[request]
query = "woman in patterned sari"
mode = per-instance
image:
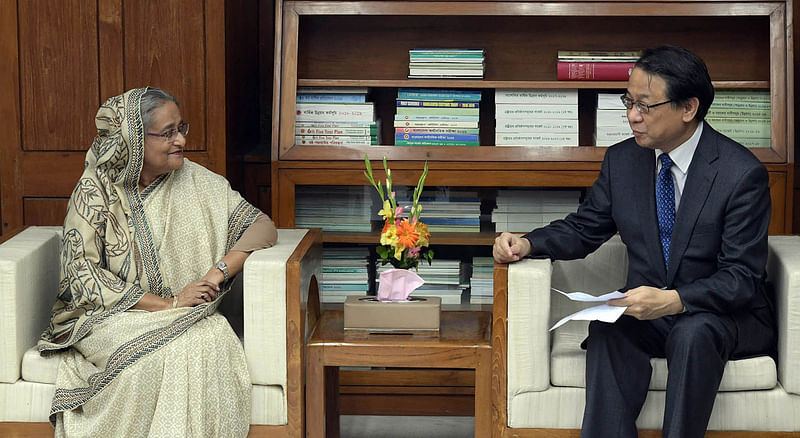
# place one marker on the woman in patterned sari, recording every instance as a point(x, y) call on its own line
point(150, 241)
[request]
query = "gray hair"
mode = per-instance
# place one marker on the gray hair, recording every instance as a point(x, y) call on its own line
point(154, 98)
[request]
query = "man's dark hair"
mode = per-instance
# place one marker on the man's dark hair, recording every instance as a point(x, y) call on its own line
point(686, 75)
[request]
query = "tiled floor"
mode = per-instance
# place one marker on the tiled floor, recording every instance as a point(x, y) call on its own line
point(373, 426)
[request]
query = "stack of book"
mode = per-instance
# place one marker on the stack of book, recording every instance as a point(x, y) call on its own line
point(336, 208)
point(743, 115)
point(595, 65)
point(344, 272)
point(445, 210)
point(612, 120)
point(445, 63)
point(481, 284)
point(534, 117)
point(451, 211)
point(437, 117)
point(334, 116)
point(442, 279)
point(524, 210)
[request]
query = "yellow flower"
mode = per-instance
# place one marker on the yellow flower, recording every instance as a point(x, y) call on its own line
point(398, 252)
point(424, 235)
point(386, 211)
point(389, 237)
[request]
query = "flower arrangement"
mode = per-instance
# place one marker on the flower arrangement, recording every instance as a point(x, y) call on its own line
point(403, 240)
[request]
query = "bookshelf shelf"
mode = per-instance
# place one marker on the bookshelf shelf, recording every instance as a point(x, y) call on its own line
point(475, 84)
point(473, 239)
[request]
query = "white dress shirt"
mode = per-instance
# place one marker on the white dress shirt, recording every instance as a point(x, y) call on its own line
point(681, 158)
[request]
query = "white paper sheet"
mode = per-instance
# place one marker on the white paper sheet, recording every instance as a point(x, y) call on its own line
point(602, 312)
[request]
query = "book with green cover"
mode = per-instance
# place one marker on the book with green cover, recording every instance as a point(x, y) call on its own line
point(742, 95)
point(738, 113)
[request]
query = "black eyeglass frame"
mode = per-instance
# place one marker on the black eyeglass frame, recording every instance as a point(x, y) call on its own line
point(183, 128)
point(642, 107)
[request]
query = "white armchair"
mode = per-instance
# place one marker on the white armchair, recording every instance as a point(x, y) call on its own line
point(277, 285)
point(540, 376)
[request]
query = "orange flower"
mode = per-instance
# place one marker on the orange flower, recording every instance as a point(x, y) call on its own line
point(406, 234)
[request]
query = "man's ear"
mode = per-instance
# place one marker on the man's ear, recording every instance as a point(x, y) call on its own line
point(690, 109)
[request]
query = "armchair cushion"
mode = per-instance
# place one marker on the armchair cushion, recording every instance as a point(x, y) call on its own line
point(38, 368)
point(568, 365)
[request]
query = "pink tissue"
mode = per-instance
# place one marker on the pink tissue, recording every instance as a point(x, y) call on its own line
point(397, 284)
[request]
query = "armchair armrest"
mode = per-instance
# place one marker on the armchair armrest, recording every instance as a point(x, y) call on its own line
point(783, 270)
point(531, 311)
point(528, 319)
point(29, 275)
point(277, 282)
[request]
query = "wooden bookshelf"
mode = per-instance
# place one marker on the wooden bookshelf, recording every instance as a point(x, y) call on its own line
point(746, 45)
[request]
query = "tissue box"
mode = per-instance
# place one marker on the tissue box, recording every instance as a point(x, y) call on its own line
point(367, 313)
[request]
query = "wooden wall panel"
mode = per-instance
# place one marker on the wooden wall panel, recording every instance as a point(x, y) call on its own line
point(59, 78)
point(777, 191)
point(795, 17)
point(45, 211)
point(165, 47)
point(10, 210)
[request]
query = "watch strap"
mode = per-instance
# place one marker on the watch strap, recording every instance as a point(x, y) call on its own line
point(222, 266)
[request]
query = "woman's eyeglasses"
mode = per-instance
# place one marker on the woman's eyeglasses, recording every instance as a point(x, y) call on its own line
point(170, 135)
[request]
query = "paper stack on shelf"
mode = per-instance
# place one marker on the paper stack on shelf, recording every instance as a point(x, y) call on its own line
point(344, 272)
point(743, 115)
point(444, 210)
point(442, 279)
point(595, 65)
point(522, 210)
point(437, 117)
point(612, 125)
point(335, 116)
point(482, 281)
point(445, 64)
point(334, 208)
point(536, 117)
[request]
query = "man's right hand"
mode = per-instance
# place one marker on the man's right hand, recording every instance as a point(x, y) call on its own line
point(510, 248)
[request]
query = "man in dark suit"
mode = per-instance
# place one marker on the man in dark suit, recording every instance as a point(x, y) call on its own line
point(693, 208)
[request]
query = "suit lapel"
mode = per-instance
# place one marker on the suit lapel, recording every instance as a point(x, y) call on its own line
point(644, 174)
point(700, 178)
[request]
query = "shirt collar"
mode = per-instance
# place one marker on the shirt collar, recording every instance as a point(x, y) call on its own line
point(682, 155)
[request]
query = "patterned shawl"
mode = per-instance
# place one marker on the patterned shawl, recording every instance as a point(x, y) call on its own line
point(111, 256)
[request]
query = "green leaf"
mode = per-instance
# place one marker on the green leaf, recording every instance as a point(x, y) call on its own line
point(382, 251)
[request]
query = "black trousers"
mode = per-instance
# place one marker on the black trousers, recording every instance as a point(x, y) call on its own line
point(696, 346)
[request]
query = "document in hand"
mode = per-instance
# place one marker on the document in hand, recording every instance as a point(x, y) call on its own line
point(603, 312)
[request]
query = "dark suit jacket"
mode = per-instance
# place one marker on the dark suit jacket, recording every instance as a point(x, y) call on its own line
point(719, 241)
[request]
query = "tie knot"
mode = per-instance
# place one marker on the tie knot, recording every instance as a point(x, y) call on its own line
point(666, 161)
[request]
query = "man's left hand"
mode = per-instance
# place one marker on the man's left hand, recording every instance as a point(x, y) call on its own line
point(645, 302)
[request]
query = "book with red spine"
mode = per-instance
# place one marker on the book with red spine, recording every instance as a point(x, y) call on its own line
point(594, 71)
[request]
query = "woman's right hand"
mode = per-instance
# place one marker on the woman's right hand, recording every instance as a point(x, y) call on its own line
point(196, 293)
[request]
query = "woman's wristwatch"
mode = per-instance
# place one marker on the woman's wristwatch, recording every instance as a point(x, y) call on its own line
point(222, 266)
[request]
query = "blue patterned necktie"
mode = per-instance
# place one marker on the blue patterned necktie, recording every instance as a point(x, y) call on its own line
point(665, 204)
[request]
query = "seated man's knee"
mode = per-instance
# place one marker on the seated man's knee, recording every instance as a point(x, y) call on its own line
point(600, 332)
point(700, 333)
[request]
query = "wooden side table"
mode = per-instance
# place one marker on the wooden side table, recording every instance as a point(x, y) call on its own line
point(463, 341)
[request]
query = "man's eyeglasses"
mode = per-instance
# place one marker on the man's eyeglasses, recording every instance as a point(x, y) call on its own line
point(642, 107)
point(170, 135)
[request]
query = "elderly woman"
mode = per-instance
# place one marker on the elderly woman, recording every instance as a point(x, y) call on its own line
point(151, 240)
